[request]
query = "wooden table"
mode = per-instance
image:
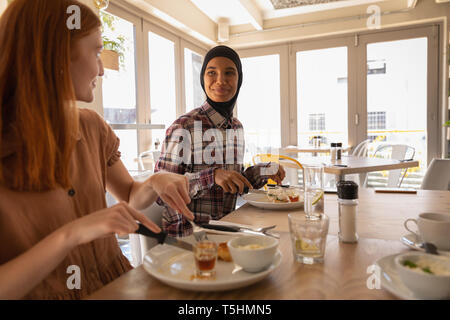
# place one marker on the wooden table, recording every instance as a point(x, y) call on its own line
point(352, 164)
point(343, 275)
point(311, 149)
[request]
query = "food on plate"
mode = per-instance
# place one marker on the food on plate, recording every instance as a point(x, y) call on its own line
point(251, 246)
point(424, 265)
point(283, 195)
point(223, 252)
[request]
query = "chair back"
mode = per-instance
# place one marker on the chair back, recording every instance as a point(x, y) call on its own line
point(268, 157)
point(140, 244)
point(437, 176)
point(361, 149)
point(397, 152)
point(152, 155)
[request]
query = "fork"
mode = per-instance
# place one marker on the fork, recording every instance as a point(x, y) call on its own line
point(199, 233)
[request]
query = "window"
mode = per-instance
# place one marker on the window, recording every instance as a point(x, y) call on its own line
point(143, 97)
point(316, 121)
point(162, 82)
point(376, 120)
point(258, 105)
point(195, 95)
point(119, 87)
point(322, 92)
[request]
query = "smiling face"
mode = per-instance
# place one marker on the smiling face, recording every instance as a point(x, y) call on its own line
point(221, 79)
point(86, 65)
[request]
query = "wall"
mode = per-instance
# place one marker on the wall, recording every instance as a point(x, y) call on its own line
point(97, 104)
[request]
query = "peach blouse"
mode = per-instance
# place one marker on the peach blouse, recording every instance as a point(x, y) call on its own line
point(28, 217)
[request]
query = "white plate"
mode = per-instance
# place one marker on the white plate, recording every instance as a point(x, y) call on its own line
point(390, 279)
point(411, 241)
point(261, 201)
point(175, 267)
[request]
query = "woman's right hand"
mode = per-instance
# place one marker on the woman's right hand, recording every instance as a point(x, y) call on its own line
point(231, 181)
point(120, 218)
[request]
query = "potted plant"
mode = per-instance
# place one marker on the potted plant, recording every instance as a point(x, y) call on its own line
point(113, 54)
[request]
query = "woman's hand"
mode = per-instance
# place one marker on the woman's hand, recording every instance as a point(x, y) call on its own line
point(231, 181)
point(173, 189)
point(120, 219)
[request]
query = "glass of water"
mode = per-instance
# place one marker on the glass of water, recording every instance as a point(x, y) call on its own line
point(314, 192)
point(308, 237)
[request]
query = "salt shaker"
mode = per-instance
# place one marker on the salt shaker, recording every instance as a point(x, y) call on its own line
point(348, 203)
point(333, 151)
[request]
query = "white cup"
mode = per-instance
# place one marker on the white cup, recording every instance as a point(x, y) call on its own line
point(434, 228)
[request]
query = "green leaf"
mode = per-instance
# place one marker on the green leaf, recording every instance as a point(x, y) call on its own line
point(427, 270)
point(409, 264)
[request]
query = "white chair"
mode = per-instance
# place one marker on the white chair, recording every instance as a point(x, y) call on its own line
point(139, 244)
point(397, 152)
point(152, 155)
point(361, 149)
point(437, 176)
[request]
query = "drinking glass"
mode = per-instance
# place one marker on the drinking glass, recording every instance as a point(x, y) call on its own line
point(314, 193)
point(205, 254)
point(308, 237)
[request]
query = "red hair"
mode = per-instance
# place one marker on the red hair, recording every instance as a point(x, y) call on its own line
point(37, 99)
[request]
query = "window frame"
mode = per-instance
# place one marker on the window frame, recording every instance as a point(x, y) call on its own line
point(143, 24)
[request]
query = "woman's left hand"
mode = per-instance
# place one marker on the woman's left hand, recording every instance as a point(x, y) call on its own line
point(279, 176)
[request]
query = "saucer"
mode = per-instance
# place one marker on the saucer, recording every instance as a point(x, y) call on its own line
point(411, 241)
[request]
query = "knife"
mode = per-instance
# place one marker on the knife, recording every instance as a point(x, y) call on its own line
point(163, 238)
point(247, 190)
point(230, 228)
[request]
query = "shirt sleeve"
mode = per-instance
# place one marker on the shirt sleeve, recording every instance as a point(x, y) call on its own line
point(173, 159)
point(177, 149)
point(108, 140)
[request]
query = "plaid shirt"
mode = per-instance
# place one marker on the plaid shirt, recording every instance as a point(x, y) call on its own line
point(189, 149)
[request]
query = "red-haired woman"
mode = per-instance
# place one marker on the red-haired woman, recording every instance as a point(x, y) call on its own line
point(57, 161)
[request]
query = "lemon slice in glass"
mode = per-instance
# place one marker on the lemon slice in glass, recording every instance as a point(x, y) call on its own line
point(304, 246)
point(317, 197)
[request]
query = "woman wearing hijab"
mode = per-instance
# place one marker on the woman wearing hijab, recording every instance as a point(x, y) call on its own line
point(214, 161)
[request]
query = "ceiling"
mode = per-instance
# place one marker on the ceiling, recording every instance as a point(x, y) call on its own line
point(255, 12)
point(244, 23)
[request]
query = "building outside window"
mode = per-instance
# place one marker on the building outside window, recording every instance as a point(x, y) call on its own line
point(316, 121)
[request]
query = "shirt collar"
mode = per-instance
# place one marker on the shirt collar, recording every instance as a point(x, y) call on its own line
point(216, 118)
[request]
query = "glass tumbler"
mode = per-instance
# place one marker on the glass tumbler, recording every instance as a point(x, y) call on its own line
point(308, 237)
point(205, 254)
point(314, 192)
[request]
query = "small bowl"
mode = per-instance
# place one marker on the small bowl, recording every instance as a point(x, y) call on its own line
point(253, 259)
point(422, 284)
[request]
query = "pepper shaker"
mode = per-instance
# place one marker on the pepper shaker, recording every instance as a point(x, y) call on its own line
point(348, 203)
point(338, 151)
